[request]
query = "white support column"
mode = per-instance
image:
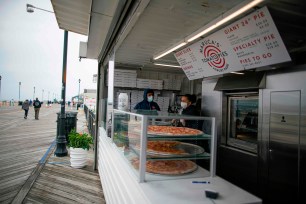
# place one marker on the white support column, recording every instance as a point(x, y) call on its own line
point(111, 73)
point(110, 93)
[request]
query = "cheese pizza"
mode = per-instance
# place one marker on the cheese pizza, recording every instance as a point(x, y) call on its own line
point(168, 167)
point(172, 131)
point(164, 147)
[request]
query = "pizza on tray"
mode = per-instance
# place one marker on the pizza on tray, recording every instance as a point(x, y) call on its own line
point(163, 147)
point(172, 131)
point(168, 167)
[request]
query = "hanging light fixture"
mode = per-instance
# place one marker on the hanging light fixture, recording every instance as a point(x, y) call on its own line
point(167, 65)
point(169, 50)
point(231, 14)
point(30, 8)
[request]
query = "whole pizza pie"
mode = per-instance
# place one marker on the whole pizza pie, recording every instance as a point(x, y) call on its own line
point(170, 130)
point(168, 167)
point(164, 147)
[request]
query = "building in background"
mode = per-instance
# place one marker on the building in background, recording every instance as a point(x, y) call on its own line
point(88, 98)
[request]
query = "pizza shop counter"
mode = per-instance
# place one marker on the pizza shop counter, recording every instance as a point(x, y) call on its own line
point(120, 185)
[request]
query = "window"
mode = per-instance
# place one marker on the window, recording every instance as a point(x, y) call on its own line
point(242, 126)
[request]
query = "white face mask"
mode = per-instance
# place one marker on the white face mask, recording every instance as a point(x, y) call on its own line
point(150, 98)
point(183, 105)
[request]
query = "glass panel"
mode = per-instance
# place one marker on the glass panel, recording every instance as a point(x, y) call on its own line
point(243, 123)
point(177, 152)
point(172, 152)
point(127, 130)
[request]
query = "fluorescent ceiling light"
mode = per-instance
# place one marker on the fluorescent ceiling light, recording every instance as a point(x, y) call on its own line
point(167, 65)
point(231, 14)
point(202, 33)
point(226, 19)
point(170, 50)
point(240, 11)
point(237, 73)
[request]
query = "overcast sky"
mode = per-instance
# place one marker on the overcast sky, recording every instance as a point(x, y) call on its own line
point(31, 52)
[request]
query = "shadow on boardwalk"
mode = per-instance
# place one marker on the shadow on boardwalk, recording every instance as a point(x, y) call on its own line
point(23, 143)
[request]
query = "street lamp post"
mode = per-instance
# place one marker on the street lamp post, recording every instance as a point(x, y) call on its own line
point(34, 94)
point(19, 91)
point(61, 149)
point(79, 91)
point(0, 85)
point(30, 9)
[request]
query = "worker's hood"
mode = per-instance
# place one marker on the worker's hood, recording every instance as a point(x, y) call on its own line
point(145, 92)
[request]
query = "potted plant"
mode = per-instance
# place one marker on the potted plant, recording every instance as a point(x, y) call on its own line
point(79, 144)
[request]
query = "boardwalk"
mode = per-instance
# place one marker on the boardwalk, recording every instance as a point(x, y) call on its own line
point(23, 143)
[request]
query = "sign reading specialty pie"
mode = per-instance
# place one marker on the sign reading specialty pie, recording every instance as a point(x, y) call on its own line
point(250, 42)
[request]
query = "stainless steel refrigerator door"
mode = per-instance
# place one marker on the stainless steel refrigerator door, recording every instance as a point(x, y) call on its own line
point(283, 146)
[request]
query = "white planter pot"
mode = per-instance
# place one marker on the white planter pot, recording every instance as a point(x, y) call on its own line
point(78, 157)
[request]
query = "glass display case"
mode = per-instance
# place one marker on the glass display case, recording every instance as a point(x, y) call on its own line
point(156, 150)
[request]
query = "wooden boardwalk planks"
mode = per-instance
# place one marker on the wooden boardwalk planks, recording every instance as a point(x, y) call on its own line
point(22, 145)
point(60, 183)
point(66, 185)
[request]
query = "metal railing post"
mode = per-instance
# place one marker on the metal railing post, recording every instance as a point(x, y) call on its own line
point(143, 152)
point(213, 153)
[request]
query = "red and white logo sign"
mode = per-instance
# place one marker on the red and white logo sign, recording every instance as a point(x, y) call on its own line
point(213, 55)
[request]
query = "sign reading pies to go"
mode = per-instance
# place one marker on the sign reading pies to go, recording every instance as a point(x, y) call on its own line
point(250, 42)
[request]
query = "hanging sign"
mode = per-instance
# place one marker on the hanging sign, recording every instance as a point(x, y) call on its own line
point(250, 42)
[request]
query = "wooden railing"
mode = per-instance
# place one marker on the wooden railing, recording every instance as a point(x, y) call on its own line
point(91, 121)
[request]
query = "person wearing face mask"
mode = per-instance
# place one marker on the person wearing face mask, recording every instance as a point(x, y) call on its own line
point(147, 103)
point(187, 103)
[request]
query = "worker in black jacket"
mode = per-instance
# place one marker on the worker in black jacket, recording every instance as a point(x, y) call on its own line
point(147, 103)
point(187, 103)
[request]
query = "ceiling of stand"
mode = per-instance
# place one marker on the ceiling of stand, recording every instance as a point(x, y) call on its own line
point(163, 23)
point(93, 18)
point(72, 15)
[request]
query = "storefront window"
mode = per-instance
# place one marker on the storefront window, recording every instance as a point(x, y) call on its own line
point(242, 127)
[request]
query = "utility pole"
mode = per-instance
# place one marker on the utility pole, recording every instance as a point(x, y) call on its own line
point(19, 91)
point(79, 91)
point(0, 86)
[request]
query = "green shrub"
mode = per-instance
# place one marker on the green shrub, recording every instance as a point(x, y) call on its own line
point(79, 140)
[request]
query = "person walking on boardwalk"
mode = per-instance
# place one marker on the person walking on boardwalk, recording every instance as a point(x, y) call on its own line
point(37, 105)
point(12, 102)
point(25, 107)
